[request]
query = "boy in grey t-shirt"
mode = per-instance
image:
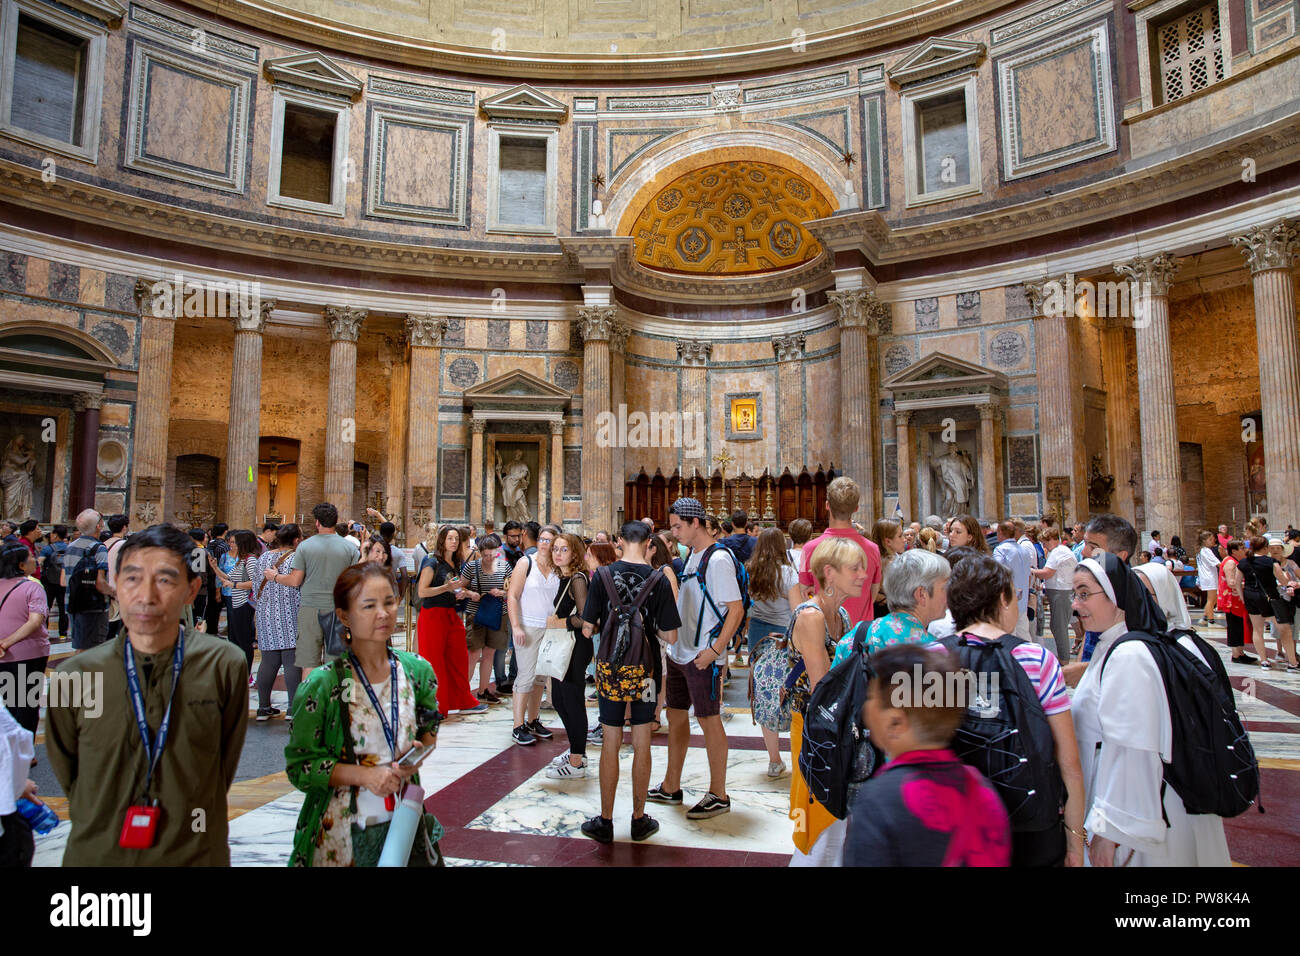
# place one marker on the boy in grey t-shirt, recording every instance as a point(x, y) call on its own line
point(315, 567)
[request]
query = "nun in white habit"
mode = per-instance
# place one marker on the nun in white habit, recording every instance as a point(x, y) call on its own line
point(1125, 733)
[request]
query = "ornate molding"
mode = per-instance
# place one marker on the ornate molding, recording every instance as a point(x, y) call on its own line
point(143, 292)
point(789, 347)
point(266, 307)
point(618, 334)
point(902, 417)
point(599, 252)
point(726, 98)
point(596, 322)
point(694, 353)
point(859, 309)
point(937, 55)
point(314, 71)
point(147, 511)
point(425, 331)
point(344, 322)
point(1274, 246)
point(107, 12)
point(1155, 273)
point(557, 428)
point(1036, 293)
point(633, 277)
point(478, 425)
point(83, 401)
point(524, 103)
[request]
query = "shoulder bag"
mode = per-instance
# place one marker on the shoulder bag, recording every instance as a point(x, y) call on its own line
point(557, 645)
point(488, 613)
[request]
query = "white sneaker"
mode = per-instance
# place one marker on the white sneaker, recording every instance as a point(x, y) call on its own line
point(565, 770)
point(562, 758)
point(775, 769)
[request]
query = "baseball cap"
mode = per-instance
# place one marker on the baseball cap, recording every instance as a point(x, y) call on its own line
point(688, 508)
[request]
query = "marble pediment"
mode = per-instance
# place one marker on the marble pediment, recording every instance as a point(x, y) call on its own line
point(944, 375)
point(524, 103)
point(517, 391)
point(935, 56)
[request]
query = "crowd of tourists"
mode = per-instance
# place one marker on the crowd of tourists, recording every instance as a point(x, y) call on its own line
point(843, 634)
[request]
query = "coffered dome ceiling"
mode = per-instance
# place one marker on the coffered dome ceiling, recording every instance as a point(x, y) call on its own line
point(730, 219)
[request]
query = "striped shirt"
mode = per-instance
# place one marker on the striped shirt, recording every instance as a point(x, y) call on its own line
point(242, 571)
point(482, 581)
point(1044, 673)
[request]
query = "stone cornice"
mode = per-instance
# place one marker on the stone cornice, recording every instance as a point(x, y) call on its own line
point(884, 242)
point(1274, 246)
point(83, 202)
point(108, 12)
point(631, 276)
point(917, 21)
point(596, 252)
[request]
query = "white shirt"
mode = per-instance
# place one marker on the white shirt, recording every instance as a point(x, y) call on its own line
point(537, 602)
point(1061, 559)
point(1207, 570)
point(16, 752)
point(1127, 714)
point(695, 611)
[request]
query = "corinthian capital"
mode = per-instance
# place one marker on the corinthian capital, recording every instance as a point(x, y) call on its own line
point(694, 353)
point(344, 322)
point(618, 334)
point(253, 320)
point(859, 309)
point(1269, 247)
point(596, 322)
point(1153, 273)
point(425, 331)
point(788, 348)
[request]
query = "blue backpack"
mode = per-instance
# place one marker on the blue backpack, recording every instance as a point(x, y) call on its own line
point(742, 578)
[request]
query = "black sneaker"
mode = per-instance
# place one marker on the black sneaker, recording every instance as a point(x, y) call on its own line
point(644, 826)
point(658, 794)
point(506, 689)
point(535, 728)
point(1245, 659)
point(600, 829)
point(267, 713)
point(522, 736)
point(710, 806)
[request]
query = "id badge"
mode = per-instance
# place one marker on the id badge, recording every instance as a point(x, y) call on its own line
point(140, 828)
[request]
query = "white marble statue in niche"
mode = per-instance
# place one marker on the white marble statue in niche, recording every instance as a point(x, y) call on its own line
point(956, 479)
point(514, 479)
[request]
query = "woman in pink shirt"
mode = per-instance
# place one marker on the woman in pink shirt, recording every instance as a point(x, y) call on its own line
point(24, 642)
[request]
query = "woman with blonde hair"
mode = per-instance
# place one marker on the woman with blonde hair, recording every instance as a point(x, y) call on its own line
point(839, 566)
point(775, 591)
point(928, 538)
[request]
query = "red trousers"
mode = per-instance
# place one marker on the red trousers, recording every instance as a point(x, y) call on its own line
point(441, 637)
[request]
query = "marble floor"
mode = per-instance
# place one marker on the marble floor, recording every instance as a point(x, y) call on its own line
point(499, 809)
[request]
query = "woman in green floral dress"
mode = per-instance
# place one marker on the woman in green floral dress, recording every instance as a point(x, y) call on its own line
point(342, 752)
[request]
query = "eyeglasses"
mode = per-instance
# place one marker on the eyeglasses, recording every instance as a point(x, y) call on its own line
point(1082, 596)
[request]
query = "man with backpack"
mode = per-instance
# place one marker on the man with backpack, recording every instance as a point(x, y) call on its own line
point(740, 542)
point(711, 602)
point(85, 576)
point(52, 574)
point(628, 606)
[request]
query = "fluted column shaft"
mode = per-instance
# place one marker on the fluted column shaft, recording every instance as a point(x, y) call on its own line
point(906, 497)
point(557, 475)
point(424, 332)
point(1161, 468)
point(789, 390)
point(399, 381)
point(1270, 251)
point(86, 455)
point(617, 396)
point(153, 411)
point(859, 319)
point(990, 442)
point(694, 355)
point(1119, 418)
point(245, 426)
point(340, 417)
point(596, 324)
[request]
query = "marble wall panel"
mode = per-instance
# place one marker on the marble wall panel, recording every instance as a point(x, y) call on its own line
point(822, 401)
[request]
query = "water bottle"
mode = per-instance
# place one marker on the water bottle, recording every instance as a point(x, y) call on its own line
point(38, 816)
point(402, 830)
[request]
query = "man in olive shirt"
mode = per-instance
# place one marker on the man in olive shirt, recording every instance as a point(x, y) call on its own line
point(95, 747)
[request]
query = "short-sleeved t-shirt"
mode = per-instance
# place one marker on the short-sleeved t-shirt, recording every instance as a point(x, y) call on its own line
point(1013, 557)
point(659, 613)
point(697, 614)
point(1061, 560)
point(322, 558)
point(860, 608)
point(897, 627)
point(22, 598)
point(1043, 670)
point(441, 571)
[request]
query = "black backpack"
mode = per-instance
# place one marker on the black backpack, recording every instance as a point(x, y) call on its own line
point(1213, 769)
point(622, 637)
point(83, 596)
point(50, 570)
point(1006, 737)
point(836, 755)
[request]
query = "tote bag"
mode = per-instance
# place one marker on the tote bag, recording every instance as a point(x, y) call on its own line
point(556, 648)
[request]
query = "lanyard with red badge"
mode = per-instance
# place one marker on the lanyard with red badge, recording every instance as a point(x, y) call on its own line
point(390, 732)
point(140, 828)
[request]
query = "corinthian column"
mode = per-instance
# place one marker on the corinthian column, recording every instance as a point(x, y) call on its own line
point(859, 318)
point(789, 400)
point(1060, 425)
point(596, 323)
point(424, 332)
point(340, 419)
point(990, 437)
point(617, 396)
point(1119, 412)
point(245, 418)
point(906, 497)
point(153, 407)
point(1161, 471)
point(1270, 251)
point(694, 356)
